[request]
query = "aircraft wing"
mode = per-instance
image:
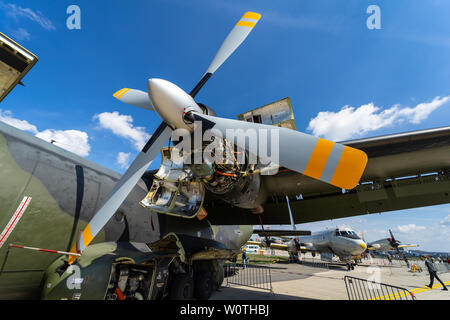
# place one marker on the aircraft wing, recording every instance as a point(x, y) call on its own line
point(408, 245)
point(282, 246)
point(281, 233)
point(279, 246)
point(308, 249)
point(404, 171)
point(373, 246)
point(255, 243)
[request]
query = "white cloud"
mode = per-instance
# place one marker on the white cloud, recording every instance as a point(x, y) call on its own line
point(6, 116)
point(410, 228)
point(123, 159)
point(36, 16)
point(352, 122)
point(21, 34)
point(280, 19)
point(446, 221)
point(72, 140)
point(122, 126)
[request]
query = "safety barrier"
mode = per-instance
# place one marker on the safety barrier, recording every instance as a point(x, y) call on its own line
point(441, 267)
point(362, 289)
point(254, 276)
point(314, 263)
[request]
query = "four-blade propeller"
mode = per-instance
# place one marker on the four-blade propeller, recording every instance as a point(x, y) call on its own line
point(318, 158)
point(150, 101)
point(393, 242)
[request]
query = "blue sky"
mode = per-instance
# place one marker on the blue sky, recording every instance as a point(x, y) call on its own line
point(320, 54)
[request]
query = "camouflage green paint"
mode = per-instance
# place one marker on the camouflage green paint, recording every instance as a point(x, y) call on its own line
point(234, 237)
point(60, 208)
point(42, 225)
point(88, 279)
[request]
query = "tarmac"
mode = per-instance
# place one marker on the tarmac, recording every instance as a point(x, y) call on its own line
point(317, 280)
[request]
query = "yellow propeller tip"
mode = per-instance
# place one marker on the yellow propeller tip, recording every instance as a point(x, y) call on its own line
point(73, 258)
point(251, 15)
point(120, 93)
point(350, 168)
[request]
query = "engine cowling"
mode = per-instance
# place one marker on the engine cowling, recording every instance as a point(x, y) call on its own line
point(207, 110)
point(179, 189)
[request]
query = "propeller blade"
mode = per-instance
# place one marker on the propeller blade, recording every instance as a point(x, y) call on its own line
point(392, 236)
point(394, 243)
point(362, 236)
point(123, 187)
point(135, 97)
point(317, 158)
point(234, 39)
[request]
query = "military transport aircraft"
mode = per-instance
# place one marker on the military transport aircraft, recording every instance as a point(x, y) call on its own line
point(388, 244)
point(164, 234)
point(342, 242)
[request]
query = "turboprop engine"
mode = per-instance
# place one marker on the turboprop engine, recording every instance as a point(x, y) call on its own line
point(179, 190)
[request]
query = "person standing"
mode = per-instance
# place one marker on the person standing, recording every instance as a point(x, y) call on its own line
point(244, 259)
point(433, 274)
point(406, 260)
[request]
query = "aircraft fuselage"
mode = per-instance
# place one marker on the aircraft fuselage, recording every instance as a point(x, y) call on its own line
point(331, 242)
point(66, 190)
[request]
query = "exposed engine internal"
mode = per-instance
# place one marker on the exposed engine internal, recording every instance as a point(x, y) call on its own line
point(129, 282)
point(179, 189)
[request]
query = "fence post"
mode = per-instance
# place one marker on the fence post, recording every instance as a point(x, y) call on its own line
point(359, 289)
point(252, 276)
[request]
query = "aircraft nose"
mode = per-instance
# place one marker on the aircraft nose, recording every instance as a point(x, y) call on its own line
point(358, 247)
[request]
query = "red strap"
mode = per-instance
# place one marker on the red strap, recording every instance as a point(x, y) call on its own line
point(120, 294)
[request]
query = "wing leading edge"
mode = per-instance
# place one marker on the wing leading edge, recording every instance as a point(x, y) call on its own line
point(404, 171)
